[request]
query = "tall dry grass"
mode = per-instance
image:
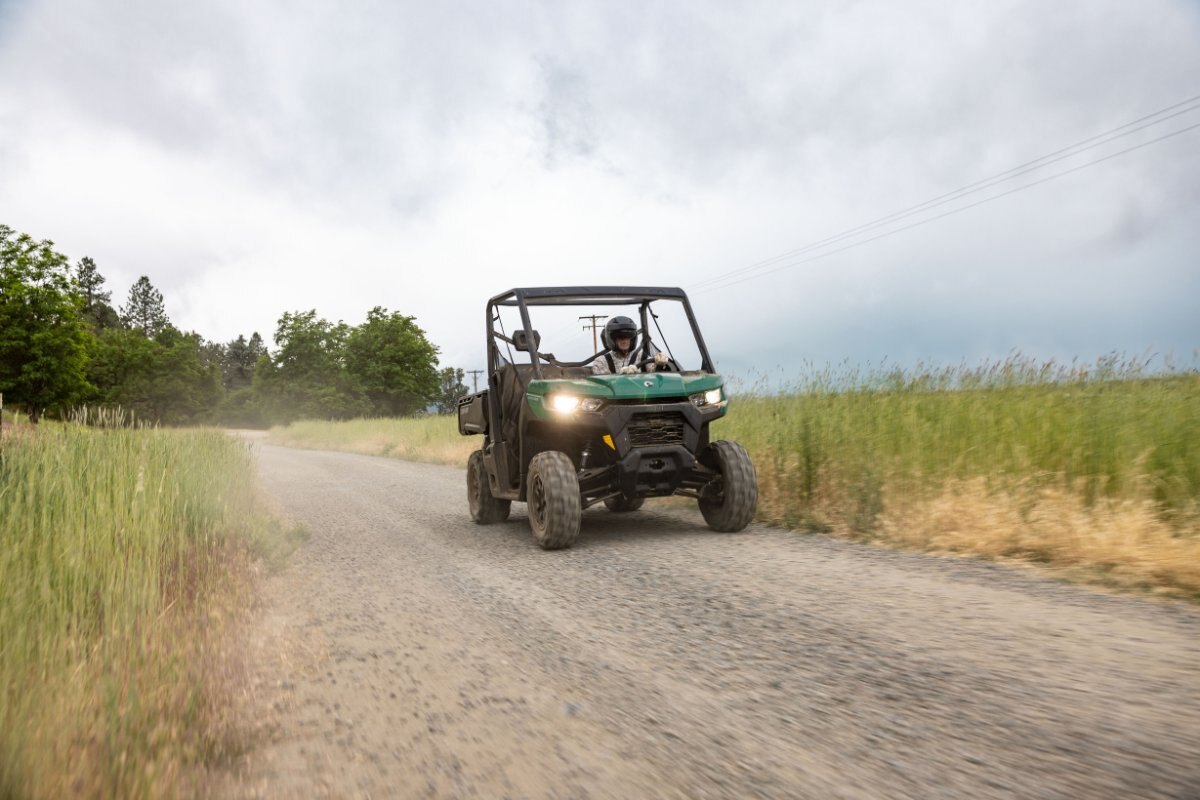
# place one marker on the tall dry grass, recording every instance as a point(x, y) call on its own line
point(124, 564)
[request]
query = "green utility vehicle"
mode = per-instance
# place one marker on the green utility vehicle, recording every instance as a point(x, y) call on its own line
point(559, 437)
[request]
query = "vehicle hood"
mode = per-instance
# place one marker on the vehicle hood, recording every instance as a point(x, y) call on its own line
point(647, 386)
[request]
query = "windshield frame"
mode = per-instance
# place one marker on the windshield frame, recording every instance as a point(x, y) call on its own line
point(640, 296)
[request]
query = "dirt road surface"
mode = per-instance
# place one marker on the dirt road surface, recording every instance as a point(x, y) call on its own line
point(407, 652)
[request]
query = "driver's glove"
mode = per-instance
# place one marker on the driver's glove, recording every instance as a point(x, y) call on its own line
point(629, 370)
point(660, 358)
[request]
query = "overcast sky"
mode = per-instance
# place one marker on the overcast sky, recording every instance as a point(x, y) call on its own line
point(256, 158)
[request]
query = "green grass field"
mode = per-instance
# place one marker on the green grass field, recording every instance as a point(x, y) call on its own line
point(1095, 470)
point(1091, 469)
point(125, 556)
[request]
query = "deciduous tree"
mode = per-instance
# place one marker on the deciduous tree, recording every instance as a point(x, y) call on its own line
point(43, 340)
point(306, 377)
point(394, 363)
point(451, 387)
point(164, 380)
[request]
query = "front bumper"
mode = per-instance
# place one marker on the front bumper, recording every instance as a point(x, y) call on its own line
point(653, 451)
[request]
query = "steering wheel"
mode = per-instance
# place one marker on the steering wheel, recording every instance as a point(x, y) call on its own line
point(671, 365)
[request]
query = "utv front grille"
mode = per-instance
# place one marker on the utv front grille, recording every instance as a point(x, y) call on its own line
point(654, 430)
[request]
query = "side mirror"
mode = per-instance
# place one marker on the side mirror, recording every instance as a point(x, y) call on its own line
point(521, 340)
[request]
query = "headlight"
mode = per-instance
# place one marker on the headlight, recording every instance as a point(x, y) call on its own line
point(564, 403)
point(713, 397)
point(568, 403)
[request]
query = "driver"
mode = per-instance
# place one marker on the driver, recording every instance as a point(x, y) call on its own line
point(620, 337)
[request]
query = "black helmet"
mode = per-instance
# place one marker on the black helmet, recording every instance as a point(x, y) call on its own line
point(619, 325)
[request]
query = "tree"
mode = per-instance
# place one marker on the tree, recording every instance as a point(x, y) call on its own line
point(165, 380)
point(306, 377)
point(241, 406)
point(239, 360)
point(96, 303)
point(186, 383)
point(212, 354)
point(389, 356)
point(451, 387)
point(144, 310)
point(43, 341)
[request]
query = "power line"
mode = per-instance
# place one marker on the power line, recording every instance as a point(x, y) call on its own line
point(475, 373)
point(984, 183)
point(1061, 154)
point(950, 212)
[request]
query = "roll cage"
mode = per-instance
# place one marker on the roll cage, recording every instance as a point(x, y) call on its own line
point(640, 296)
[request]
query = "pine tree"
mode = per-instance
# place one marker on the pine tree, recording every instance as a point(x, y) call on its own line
point(239, 359)
point(257, 348)
point(97, 307)
point(145, 310)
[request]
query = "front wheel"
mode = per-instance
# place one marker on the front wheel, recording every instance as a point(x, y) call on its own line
point(732, 506)
point(552, 495)
point(485, 508)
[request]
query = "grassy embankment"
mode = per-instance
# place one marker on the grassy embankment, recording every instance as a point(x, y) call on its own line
point(1095, 471)
point(126, 561)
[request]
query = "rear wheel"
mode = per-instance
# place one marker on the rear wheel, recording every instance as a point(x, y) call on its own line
point(621, 503)
point(485, 509)
point(552, 495)
point(732, 507)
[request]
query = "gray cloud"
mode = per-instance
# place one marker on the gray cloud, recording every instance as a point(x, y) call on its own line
point(566, 114)
point(437, 154)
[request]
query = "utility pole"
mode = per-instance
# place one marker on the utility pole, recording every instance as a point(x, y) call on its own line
point(475, 373)
point(595, 321)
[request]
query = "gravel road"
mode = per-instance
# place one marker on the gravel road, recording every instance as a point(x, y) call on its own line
point(407, 652)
